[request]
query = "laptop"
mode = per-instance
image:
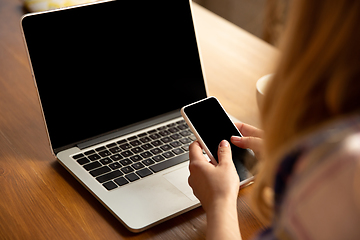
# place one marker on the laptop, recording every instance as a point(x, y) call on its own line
point(111, 78)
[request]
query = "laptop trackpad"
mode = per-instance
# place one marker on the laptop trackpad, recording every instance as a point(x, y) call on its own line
point(179, 178)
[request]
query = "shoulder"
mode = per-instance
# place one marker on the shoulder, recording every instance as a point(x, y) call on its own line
point(322, 200)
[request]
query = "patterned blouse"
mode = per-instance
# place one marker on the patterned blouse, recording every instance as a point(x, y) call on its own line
point(317, 186)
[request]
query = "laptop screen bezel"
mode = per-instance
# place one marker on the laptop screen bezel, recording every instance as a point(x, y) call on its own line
point(173, 113)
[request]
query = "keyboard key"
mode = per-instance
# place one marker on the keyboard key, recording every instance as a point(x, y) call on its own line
point(185, 140)
point(183, 127)
point(181, 122)
point(137, 150)
point(132, 177)
point(132, 138)
point(116, 157)
point(169, 163)
point(161, 128)
point(83, 161)
point(125, 162)
point(110, 185)
point(192, 137)
point(166, 140)
point(106, 161)
point(127, 169)
point(154, 136)
point(148, 162)
point(94, 157)
point(100, 171)
point(176, 136)
point(158, 158)
point(142, 135)
point(121, 181)
point(168, 154)
point(137, 166)
point(136, 158)
point(78, 156)
point(185, 133)
point(146, 154)
point(156, 143)
point(175, 144)
point(144, 172)
point(178, 151)
point(152, 131)
point(147, 146)
point(99, 149)
point(115, 165)
point(121, 141)
point(173, 130)
point(105, 153)
point(145, 139)
point(156, 151)
point(92, 165)
point(89, 152)
point(166, 147)
point(109, 176)
point(115, 149)
point(111, 145)
point(135, 143)
point(164, 133)
point(127, 153)
point(186, 147)
point(171, 125)
point(125, 146)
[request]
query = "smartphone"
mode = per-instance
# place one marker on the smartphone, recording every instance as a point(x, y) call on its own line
point(211, 124)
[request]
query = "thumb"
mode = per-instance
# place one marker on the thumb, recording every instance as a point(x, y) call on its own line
point(224, 152)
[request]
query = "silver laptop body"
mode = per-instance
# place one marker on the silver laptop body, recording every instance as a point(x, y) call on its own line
point(111, 78)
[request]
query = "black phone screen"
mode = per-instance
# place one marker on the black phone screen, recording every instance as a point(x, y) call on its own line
point(213, 125)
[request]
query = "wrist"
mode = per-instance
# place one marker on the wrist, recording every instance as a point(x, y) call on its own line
point(222, 219)
point(221, 204)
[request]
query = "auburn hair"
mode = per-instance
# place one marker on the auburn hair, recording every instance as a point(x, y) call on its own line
point(317, 81)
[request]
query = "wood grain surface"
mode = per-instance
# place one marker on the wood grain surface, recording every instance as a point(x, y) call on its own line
point(39, 199)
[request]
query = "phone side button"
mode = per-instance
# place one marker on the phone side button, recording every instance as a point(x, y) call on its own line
point(169, 163)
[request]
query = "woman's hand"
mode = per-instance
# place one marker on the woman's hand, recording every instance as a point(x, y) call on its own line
point(212, 183)
point(217, 188)
point(252, 139)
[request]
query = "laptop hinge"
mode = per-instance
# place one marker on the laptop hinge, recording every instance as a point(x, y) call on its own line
point(129, 129)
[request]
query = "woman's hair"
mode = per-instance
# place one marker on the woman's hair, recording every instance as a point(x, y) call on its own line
point(317, 81)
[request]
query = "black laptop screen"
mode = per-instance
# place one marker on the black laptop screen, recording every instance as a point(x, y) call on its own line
point(101, 67)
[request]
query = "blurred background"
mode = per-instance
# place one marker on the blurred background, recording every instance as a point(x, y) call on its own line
point(263, 18)
point(248, 14)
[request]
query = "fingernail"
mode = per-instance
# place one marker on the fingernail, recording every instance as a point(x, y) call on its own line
point(235, 139)
point(224, 143)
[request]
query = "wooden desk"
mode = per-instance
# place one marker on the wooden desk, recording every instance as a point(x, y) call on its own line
point(39, 199)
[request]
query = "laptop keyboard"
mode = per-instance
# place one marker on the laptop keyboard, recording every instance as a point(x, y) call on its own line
point(128, 160)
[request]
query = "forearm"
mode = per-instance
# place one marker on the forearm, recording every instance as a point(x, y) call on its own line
point(222, 221)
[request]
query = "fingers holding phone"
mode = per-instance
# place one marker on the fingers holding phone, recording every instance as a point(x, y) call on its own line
point(212, 182)
point(211, 124)
point(247, 130)
point(252, 139)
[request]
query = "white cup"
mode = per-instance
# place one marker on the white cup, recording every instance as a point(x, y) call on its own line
point(261, 85)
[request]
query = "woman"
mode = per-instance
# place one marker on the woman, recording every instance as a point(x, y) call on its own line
point(308, 185)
